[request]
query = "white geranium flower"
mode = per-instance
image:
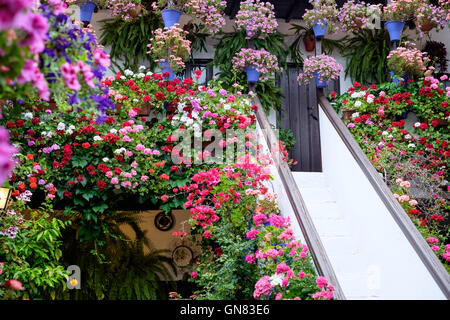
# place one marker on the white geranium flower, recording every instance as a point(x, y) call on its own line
point(227, 106)
point(411, 145)
point(141, 75)
point(113, 131)
point(354, 95)
point(369, 100)
point(71, 127)
point(61, 126)
point(27, 116)
point(358, 103)
point(142, 67)
point(356, 114)
point(385, 133)
point(276, 279)
point(128, 72)
point(149, 73)
point(135, 100)
point(390, 136)
point(97, 138)
point(69, 131)
point(416, 125)
point(123, 77)
point(105, 159)
point(408, 136)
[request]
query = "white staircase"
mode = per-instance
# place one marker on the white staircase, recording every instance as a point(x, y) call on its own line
point(335, 232)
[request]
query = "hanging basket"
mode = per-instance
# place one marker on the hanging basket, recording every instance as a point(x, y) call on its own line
point(86, 11)
point(170, 17)
point(252, 74)
point(395, 29)
point(426, 26)
point(319, 30)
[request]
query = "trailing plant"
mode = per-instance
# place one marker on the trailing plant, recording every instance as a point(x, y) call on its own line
point(128, 40)
point(264, 62)
point(127, 267)
point(355, 15)
point(321, 66)
point(366, 56)
point(256, 18)
point(401, 10)
point(226, 48)
point(322, 11)
point(126, 10)
point(170, 45)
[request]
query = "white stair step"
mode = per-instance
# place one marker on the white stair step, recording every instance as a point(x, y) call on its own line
point(309, 179)
point(316, 195)
point(324, 211)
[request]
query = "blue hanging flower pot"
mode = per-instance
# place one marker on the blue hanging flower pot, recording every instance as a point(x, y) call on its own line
point(319, 83)
point(320, 29)
point(397, 79)
point(395, 29)
point(165, 67)
point(86, 11)
point(252, 74)
point(170, 17)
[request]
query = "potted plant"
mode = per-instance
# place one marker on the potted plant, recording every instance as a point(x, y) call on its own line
point(353, 15)
point(170, 48)
point(407, 62)
point(125, 9)
point(396, 13)
point(86, 8)
point(321, 68)
point(259, 64)
point(428, 17)
point(209, 12)
point(256, 18)
point(322, 17)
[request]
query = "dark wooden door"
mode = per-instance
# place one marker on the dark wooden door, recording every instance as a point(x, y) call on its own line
point(299, 113)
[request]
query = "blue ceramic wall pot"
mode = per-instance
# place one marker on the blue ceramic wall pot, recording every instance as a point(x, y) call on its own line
point(252, 74)
point(395, 29)
point(319, 30)
point(170, 17)
point(86, 11)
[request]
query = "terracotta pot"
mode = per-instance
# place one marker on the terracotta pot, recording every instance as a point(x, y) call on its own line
point(144, 110)
point(427, 26)
point(347, 114)
point(136, 11)
point(440, 122)
point(309, 44)
point(117, 109)
point(358, 25)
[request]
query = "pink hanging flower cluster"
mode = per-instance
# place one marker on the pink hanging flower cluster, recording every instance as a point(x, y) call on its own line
point(354, 15)
point(210, 13)
point(401, 10)
point(323, 10)
point(171, 45)
point(430, 16)
point(325, 66)
point(125, 9)
point(406, 60)
point(257, 18)
point(266, 63)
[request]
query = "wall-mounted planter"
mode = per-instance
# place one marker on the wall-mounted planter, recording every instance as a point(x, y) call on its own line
point(395, 29)
point(397, 79)
point(320, 84)
point(252, 74)
point(319, 30)
point(170, 17)
point(165, 67)
point(86, 11)
point(310, 45)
